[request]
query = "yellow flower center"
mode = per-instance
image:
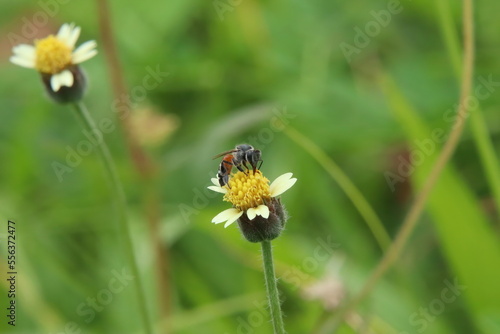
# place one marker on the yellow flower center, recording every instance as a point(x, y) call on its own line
point(52, 55)
point(247, 190)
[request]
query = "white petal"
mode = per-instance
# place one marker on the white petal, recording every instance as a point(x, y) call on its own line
point(216, 186)
point(64, 32)
point(25, 51)
point(232, 220)
point(262, 210)
point(84, 52)
point(73, 37)
point(55, 82)
point(65, 78)
point(80, 58)
point(218, 189)
point(215, 181)
point(22, 62)
point(224, 215)
point(282, 184)
point(251, 213)
point(228, 216)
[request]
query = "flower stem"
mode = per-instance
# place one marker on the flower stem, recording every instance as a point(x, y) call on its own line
point(272, 288)
point(89, 124)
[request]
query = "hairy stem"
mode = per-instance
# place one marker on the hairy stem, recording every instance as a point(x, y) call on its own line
point(124, 229)
point(272, 288)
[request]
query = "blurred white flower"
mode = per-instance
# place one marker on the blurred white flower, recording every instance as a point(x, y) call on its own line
point(54, 55)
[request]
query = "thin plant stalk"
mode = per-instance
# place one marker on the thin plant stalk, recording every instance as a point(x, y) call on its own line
point(411, 220)
point(272, 288)
point(355, 195)
point(479, 129)
point(124, 229)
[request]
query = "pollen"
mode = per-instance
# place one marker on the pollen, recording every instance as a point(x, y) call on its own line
point(52, 55)
point(247, 190)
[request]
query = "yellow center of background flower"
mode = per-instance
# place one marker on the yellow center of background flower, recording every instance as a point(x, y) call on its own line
point(247, 190)
point(52, 55)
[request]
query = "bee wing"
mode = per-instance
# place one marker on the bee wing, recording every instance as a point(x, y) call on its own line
point(224, 153)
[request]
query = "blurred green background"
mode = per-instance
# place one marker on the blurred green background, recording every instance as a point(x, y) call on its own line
point(233, 67)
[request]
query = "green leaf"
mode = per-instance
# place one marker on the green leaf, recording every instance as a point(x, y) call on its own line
point(469, 243)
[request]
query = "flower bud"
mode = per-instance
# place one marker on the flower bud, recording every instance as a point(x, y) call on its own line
point(67, 94)
point(260, 228)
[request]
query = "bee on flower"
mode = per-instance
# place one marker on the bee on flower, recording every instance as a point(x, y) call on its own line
point(256, 204)
point(56, 59)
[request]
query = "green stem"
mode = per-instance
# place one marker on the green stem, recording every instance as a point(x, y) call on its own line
point(272, 288)
point(89, 124)
point(355, 195)
point(450, 36)
point(484, 144)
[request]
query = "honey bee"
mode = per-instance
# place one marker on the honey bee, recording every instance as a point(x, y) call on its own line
point(225, 167)
point(242, 157)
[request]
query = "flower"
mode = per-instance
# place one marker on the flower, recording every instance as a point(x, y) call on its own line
point(54, 56)
point(259, 212)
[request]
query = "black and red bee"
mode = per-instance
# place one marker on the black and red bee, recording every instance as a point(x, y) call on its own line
point(242, 157)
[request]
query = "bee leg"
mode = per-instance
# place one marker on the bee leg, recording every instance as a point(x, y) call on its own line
point(247, 167)
point(260, 165)
point(226, 181)
point(241, 169)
